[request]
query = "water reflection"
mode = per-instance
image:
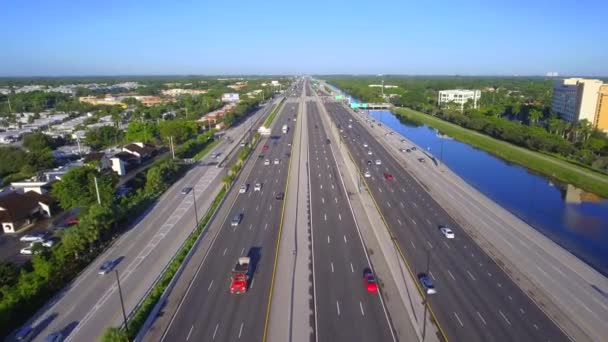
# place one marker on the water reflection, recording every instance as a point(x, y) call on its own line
point(575, 219)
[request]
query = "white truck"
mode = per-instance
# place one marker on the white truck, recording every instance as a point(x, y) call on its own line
point(285, 129)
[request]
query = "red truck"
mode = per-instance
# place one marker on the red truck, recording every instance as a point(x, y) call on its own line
point(240, 276)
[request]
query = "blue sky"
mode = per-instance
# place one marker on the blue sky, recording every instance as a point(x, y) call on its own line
point(514, 37)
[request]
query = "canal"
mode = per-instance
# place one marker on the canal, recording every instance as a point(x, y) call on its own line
point(575, 219)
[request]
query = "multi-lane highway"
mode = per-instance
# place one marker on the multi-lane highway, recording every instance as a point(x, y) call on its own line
point(344, 309)
point(208, 311)
point(475, 299)
point(91, 302)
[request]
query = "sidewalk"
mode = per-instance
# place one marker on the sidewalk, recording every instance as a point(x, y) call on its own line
point(399, 289)
point(569, 291)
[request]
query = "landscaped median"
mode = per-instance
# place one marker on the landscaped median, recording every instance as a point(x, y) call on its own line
point(555, 168)
point(270, 117)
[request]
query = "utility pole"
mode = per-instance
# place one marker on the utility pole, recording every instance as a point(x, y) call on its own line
point(97, 191)
point(122, 303)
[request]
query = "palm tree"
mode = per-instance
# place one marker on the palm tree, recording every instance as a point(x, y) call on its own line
point(585, 128)
point(534, 115)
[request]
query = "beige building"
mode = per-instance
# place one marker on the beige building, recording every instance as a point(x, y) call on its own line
point(178, 91)
point(601, 114)
point(575, 99)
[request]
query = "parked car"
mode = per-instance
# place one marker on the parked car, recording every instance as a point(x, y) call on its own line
point(427, 283)
point(50, 242)
point(34, 237)
point(447, 232)
point(25, 333)
point(107, 267)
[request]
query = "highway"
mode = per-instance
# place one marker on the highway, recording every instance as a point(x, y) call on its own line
point(208, 311)
point(91, 303)
point(344, 310)
point(475, 300)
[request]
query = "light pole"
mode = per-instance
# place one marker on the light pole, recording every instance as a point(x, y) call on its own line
point(122, 303)
point(195, 210)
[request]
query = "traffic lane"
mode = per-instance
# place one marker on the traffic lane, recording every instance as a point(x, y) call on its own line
point(221, 269)
point(518, 304)
point(515, 307)
point(346, 259)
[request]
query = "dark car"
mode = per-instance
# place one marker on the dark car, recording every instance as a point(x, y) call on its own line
point(427, 283)
point(327, 141)
point(186, 190)
point(369, 162)
point(280, 196)
point(107, 267)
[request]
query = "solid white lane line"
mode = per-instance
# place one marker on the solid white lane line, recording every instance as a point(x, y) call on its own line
point(344, 238)
point(503, 316)
point(338, 307)
point(210, 284)
point(361, 306)
point(451, 275)
point(352, 269)
point(241, 331)
point(471, 275)
point(215, 331)
point(480, 317)
point(458, 318)
point(189, 333)
point(332, 267)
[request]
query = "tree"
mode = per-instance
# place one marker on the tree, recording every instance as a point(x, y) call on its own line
point(12, 160)
point(180, 130)
point(534, 115)
point(37, 142)
point(9, 274)
point(584, 130)
point(142, 131)
point(104, 136)
point(77, 188)
point(114, 335)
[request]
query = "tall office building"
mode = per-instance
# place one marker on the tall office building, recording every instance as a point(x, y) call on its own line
point(601, 114)
point(575, 99)
point(460, 96)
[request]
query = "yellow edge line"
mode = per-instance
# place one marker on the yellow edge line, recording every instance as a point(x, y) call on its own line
point(398, 247)
point(276, 253)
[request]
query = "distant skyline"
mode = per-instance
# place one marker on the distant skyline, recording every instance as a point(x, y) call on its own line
point(74, 38)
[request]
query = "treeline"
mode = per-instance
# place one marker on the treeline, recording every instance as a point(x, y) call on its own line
point(23, 293)
point(516, 110)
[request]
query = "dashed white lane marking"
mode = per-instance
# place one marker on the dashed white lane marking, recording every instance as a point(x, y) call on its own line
point(446, 244)
point(352, 269)
point(451, 275)
point(432, 276)
point(325, 217)
point(412, 242)
point(210, 285)
point(336, 199)
point(242, 250)
point(332, 267)
point(535, 326)
point(323, 200)
point(414, 204)
point(481, 318)
point(328, 239)
point(270, 209)
point(250, 226)
point(471, 275)
point(428, 222)
point(379, 189)
point(338, 307)
point(241, 330)
point(215, 331)
point(265, 226)
point(413, 221)
point(361, 306)
point(399, 221)
point(522, 311)
point(189, 333)
point(252, 282)
point(510, 298)
point(225, 250)
point(458, 318)
point(429, 243)
point(340, 217)
point(401, 203)
point(389, 204)
point(505, 317)
point(499, 284)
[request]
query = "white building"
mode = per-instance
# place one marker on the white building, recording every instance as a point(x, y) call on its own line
point(575, 99)
point(460, 96)
point(230, 97)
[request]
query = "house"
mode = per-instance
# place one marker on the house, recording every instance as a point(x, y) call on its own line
point(97, 159)
point(18, 210)
point(141, 150)
point(122, 162)
point(40, 187)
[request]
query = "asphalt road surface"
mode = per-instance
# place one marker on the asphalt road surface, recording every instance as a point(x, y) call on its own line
point(344, 309)
point(209, 311)
point(91, 303)
point(475, 299)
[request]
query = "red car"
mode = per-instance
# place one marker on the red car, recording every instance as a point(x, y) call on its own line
point(73, 220)
point(265, 148)
point(388, 176)
point(370, 281)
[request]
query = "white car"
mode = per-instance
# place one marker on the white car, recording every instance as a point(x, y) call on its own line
point(26, 250)
point(267, 162)
point(447, 232)
point(367, 174)
point(378, 162)
point(33, 237)
point(350, 126)
point(50, 242)
point(257, 187)
point(276, 161)
point(365, 145)
point(369, 153)
point(243, 189)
